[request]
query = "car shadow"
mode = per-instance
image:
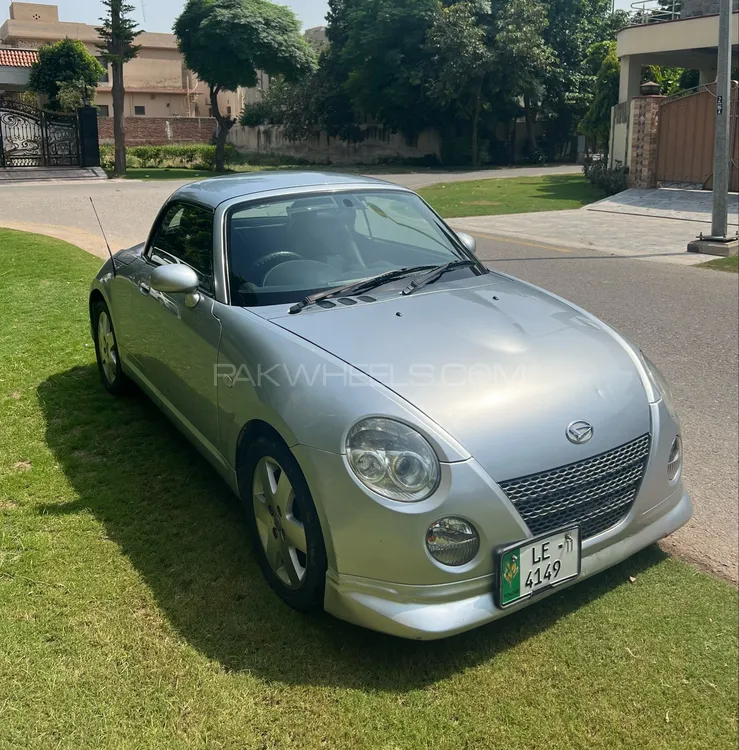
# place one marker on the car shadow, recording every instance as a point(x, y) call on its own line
point(183, 531)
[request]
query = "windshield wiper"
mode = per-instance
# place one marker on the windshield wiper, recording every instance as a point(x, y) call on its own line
point(436, 274)
point(358, 287)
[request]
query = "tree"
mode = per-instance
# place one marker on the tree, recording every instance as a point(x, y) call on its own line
point(574, 27)
point(73, 95)
point(117, 36)
point(385, 58)
point(227, 41)
point(597, 120)
point(525, 59)
point(459, 52)
point(64, 67)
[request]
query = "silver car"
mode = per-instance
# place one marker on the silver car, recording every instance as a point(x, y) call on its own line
point(421, 445)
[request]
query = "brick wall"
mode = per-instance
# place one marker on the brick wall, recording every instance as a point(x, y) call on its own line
point(159, 131)
point(645, 131)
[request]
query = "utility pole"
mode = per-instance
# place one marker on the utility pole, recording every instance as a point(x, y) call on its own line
point(719, 242)
point(721, 150)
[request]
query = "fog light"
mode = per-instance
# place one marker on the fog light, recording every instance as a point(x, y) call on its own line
point(674, 462)
point(452, 541)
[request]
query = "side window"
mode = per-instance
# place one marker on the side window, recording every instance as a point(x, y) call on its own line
point(185, 235)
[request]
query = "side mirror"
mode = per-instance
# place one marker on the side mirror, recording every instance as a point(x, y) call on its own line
point(468, 241)
point(175, 279)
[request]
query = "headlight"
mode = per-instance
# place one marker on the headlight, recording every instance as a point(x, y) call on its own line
point(392, 459)
point(452, 541)
point(659, 384)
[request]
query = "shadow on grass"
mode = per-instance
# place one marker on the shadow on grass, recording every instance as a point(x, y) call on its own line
point(567, 187)
point(183, 531)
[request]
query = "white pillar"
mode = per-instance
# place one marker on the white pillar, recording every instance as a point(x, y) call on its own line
point(630, 78)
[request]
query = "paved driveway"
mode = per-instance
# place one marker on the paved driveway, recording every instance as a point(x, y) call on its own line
point(127, 207)
point(654, 225)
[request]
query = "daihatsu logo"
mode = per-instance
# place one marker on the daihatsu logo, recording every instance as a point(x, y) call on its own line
point(579, 432)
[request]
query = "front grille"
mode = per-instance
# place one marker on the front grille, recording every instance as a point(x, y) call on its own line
point(596, 493)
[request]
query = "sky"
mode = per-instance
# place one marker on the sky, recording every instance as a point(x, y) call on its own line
point(159, 15)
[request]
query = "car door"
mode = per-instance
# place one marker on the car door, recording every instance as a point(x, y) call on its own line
point(177, 335)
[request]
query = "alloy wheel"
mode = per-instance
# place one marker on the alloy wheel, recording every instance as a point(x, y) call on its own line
point(107, 350)
point(279, 525)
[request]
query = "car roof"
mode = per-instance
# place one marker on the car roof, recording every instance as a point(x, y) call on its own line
point(216, 190)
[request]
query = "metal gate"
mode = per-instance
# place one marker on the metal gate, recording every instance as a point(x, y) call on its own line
point(31, 137)
point(685, 140)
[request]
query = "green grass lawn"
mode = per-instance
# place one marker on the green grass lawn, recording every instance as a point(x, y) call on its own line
point(723, 264)
point(133, 614)
point(511, 195)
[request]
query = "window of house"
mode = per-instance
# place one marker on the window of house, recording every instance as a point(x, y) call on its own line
point(228, 111)
point(185, 235)
point(139, 110)
point(105, 78)
point(103, 110)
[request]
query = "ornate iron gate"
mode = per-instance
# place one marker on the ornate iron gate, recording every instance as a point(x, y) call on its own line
point(31, 137)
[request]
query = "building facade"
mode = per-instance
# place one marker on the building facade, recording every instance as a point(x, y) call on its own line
point(157, 82)
point(668, 140)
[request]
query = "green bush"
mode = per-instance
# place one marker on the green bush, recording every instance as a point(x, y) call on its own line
point(177, 156)
point(611, 181)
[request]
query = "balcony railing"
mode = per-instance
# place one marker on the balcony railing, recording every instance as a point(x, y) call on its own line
point(655, 11)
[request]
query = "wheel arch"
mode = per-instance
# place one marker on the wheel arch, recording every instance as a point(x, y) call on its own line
point(253, 430)
point(95, 296)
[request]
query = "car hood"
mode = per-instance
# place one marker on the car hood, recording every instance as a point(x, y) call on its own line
point(500, 365)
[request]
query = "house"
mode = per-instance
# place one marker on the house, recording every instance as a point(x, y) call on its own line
point(669, 139)
point(157, 82)
point(15, 67)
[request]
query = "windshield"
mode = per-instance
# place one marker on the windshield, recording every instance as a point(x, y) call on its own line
point(281, 251)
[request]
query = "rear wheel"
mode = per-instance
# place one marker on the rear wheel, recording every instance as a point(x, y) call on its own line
point(106, 350)
point(284, 525)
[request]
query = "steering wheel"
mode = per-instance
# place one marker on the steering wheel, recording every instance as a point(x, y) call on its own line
point(263, 265)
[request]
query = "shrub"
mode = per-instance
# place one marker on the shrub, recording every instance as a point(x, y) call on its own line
point(259, 113)
point(187, 156)
point(611, 181)
point(537, 156)
point(107, 157)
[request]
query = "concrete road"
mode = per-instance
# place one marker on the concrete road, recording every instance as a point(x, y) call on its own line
point(127, 207)
point(685, 319)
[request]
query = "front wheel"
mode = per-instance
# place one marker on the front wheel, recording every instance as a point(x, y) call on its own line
point(106, 350)
point(284, 525)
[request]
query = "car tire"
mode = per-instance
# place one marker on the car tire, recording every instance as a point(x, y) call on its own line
point(292, 561)
point(106, 350)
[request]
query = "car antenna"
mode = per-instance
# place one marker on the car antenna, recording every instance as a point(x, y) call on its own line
point(102, 231)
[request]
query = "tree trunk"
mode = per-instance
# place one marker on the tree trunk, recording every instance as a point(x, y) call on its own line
point(475, 123)
point(224, 125)
point(530, 114)
point(119, 125)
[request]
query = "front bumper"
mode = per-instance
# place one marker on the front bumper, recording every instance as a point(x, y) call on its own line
point(380, 575)
point(432, 612)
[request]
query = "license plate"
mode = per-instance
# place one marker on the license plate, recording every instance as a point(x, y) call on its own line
point(531, 566)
